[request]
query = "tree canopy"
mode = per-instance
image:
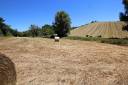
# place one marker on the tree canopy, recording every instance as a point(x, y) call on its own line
point(47, 30)
point(34, 30)
point(6, 30)
point(124, 15)
point(62, 24)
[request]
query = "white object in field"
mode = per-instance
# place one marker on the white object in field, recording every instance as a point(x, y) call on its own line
point(57, 39)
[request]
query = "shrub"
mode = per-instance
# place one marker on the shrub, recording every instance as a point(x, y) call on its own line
point(99, 36)
point(47, 31)
point(87, 35)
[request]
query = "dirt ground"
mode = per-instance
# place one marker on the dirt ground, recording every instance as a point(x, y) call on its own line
point(42, 61)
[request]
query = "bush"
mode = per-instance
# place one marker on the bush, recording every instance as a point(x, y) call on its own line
point(87, 35)
point(115, 41)
point(99, 36)
point(47, 31)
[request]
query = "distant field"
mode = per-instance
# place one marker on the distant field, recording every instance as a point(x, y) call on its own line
point(102, 29)
point(41, 61)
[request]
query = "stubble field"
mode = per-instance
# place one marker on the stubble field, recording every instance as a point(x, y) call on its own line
point(40, 61)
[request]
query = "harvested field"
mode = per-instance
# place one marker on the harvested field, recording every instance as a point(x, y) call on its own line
point(103, 29)
point(42, 61)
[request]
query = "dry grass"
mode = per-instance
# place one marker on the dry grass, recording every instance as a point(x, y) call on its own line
point(104, 29)
point(42, 61)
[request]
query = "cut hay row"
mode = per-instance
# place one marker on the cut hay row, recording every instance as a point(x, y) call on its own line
point(87, 30)
point(113, 30)
point(103, 29)
point(118, 32)
point(7, 71)
point(94, 30)
point(118, 27)
point(107, 29)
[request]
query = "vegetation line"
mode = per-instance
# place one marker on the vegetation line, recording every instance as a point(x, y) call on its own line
point(115, 41)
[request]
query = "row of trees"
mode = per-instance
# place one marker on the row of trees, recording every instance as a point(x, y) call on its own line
point(61, 27)
point(35, 31)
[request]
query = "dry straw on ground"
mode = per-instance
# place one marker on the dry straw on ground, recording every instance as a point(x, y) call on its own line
point(42, 61)
point(7, 71)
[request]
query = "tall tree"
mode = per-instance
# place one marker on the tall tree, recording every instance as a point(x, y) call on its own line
point(6, 30)
point(125, 2)
point(3, 26)
point(62, 24)
point(34, 30)
point(124, 16)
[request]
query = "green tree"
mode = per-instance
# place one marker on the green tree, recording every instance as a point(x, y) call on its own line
point(125, 2)
point(47, 31)
point(62, 24)
point(6, 30)
point(1, 34)
point(124, 16)
point(3, 27)
point(25, 33)
point(14, 32)
point(34, 30)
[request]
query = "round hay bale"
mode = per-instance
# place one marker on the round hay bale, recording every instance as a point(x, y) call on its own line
point(57, 39)
point(7, 71)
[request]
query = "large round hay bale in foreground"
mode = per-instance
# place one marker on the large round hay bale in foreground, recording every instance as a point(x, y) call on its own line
point(102, 29)
point(7, 71)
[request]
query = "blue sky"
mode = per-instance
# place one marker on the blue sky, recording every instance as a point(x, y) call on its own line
point(20, 14)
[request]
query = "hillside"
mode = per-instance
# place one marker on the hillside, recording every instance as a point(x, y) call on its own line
point(40, 61)
point(103, 29)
